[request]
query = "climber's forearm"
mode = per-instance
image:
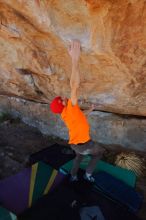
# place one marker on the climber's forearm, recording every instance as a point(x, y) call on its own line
point(74, 52)
point(75, 75)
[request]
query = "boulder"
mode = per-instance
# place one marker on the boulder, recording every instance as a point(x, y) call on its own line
point(35, 65)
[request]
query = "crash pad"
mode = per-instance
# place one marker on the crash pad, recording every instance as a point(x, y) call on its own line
point(61, 153)
point(6, 214)
point(124, 175)
point(44, 178)
point(21, 190)
point(118, 190)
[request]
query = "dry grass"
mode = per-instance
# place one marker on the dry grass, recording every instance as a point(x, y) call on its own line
point(131, 161)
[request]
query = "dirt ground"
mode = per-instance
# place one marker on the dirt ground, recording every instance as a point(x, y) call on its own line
point(18, 141)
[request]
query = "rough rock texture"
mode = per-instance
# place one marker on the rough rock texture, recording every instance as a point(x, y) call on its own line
point(109, 129)
point(34, 63)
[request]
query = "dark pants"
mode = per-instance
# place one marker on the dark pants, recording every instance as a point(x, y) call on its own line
point(88, 148)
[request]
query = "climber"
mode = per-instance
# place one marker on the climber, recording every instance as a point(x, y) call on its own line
point(76, 121)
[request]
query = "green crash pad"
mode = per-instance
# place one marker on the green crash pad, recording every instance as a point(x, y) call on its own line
point(43, 173)
point(125, 175)
point(42, 178)
point(6, 215)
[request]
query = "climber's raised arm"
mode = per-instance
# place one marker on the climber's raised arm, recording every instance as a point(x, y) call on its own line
point(74, 52)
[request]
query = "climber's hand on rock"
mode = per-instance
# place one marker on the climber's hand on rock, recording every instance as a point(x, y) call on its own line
point(92, 107)
point(74, 50)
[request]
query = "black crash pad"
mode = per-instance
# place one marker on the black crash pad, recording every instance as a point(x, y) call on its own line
point(55, 155)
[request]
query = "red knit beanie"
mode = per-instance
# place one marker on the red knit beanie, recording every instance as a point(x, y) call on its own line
point(56, 105)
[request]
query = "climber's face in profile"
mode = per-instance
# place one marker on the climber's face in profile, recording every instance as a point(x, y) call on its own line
point(64, 100)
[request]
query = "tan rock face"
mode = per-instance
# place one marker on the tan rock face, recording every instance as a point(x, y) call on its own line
point(35, 65)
